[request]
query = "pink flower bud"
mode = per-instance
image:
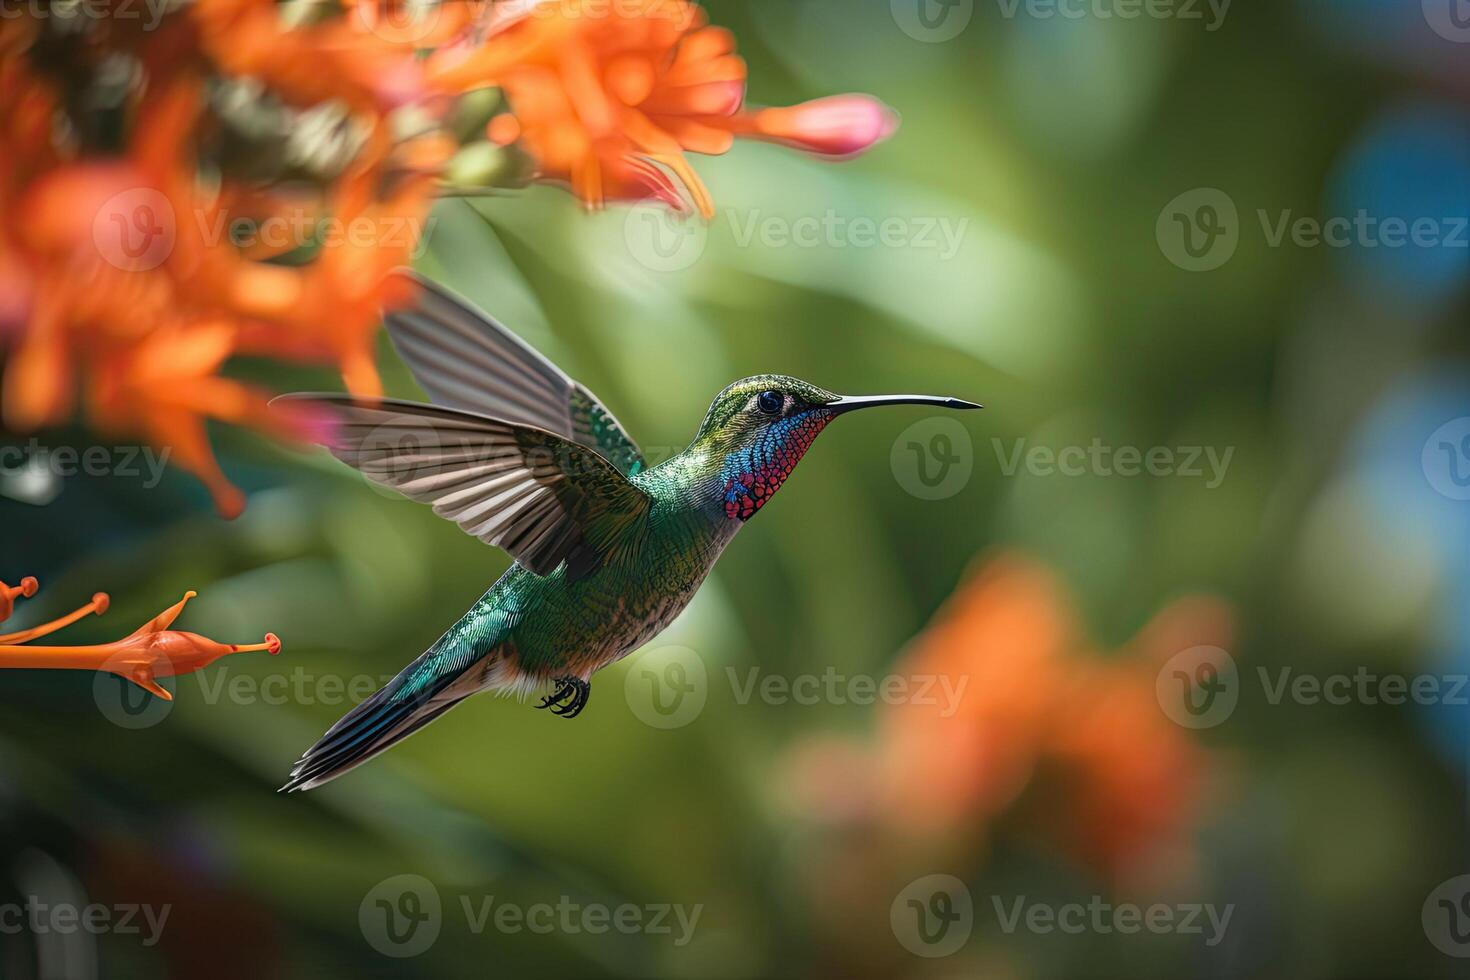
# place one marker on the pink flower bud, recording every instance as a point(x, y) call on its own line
point(836, 126)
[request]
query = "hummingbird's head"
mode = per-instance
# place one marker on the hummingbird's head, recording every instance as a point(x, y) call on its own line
point(759, 428)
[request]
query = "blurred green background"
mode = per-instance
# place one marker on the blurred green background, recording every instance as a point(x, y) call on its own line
point(1053, 150)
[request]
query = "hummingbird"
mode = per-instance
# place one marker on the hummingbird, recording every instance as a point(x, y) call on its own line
point(608, 550)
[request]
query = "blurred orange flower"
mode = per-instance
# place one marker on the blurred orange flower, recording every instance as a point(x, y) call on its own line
point(117, 266)
point(605, 94)
point(236, 177)
point(1075, 744)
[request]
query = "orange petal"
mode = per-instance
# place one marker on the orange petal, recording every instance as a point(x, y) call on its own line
point(697, 136)
point(98, 605)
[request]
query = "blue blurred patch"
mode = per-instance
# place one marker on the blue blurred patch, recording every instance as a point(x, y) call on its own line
point(1389, 458)
point(1413, 165)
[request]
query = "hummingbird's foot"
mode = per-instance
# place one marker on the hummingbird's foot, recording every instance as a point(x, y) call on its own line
point(563, 688)
point(573, 708)
point(567, 687)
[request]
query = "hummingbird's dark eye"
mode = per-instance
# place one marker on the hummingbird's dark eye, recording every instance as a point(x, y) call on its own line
point(770, 402)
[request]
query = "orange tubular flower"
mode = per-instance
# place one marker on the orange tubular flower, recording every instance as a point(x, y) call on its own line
point(118, 271)
point(9, 593)
point(149, 652)
point(98, 605)
point(608, 94)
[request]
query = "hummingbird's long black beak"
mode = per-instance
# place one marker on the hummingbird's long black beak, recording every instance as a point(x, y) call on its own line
point(847, 403)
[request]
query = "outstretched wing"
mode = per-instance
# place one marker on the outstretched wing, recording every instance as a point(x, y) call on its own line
point(542, 498)
point(466, 360)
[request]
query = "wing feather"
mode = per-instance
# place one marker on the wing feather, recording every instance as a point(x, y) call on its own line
point(541, 497)
point(466, 360)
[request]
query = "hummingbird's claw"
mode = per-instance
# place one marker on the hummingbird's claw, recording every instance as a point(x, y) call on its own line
point(578, 690)
point(563, 688)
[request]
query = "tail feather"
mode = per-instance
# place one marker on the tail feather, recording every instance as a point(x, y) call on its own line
point(421, 692)
point(315, 769)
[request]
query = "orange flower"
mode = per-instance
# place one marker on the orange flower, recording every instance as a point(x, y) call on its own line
point(149, 652)
point(166, 385)
point(1076, 743)
point(1129, 775)
point(119, 252)
point(1004, 636)
point(118, 273)
point(607, 94)
point(9, 593)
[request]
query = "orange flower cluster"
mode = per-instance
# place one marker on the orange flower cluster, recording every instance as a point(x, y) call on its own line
point(235, 177)
point(148, 653)
point(117, 264)
point(1078, 744)
point(607, 95)
point(1023, 727)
